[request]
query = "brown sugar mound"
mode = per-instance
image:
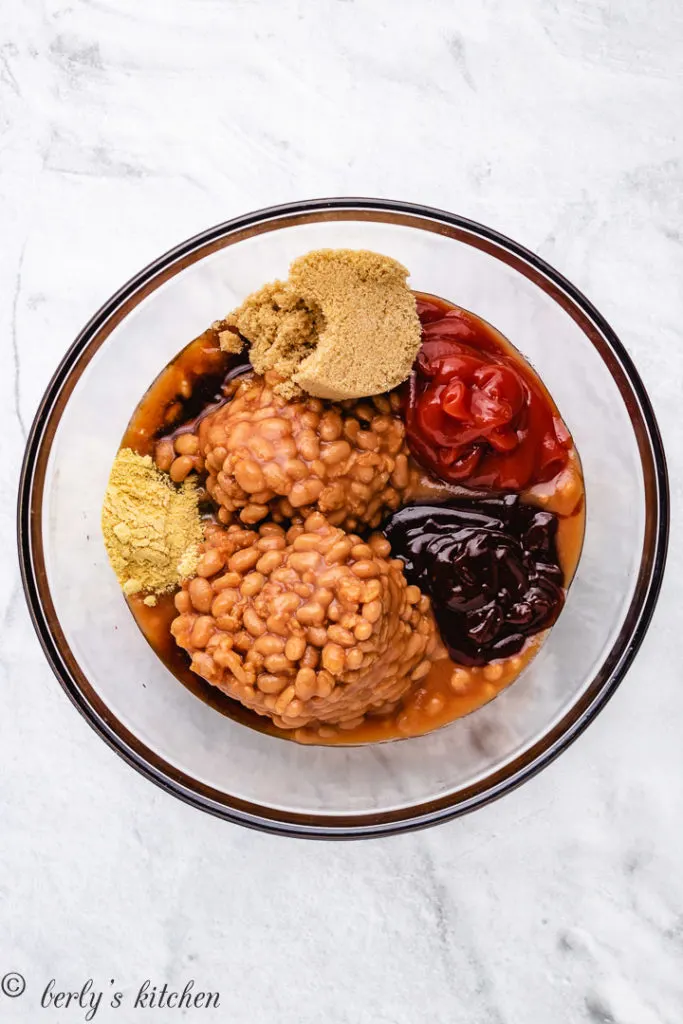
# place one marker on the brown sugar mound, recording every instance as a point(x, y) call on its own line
point(307, 626)
point(280, 328)
point(344, 325)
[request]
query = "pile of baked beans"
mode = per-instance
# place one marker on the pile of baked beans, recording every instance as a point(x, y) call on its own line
point(292, 612)
point(266, 456)
point(308, 625)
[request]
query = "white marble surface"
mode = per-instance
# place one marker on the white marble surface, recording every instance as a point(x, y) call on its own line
point(127, 126)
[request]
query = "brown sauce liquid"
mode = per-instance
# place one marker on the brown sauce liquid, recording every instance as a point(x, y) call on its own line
point(188, 388)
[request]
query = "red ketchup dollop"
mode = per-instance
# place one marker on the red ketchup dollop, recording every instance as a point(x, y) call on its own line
point(475, 414)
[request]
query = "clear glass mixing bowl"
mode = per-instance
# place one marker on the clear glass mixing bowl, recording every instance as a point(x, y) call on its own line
point(124, 691)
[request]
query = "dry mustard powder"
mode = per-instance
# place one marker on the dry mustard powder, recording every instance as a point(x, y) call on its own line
point(152, 530)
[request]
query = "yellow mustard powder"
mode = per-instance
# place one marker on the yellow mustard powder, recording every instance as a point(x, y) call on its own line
point(152, 530)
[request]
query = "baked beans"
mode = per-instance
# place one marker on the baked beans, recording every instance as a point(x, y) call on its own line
point(265, 456)
point(322, 635)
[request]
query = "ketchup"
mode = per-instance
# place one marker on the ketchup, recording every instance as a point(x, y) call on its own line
point(476, 414)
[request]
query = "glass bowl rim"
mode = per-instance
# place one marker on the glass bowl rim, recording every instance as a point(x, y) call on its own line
point(348, 826)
